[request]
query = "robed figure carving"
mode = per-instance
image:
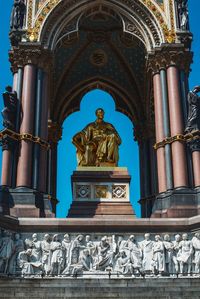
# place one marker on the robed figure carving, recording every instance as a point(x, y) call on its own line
point(97, 144)
point(9, 113)
point(193, 121)
point(182, 7)
point(18, 14)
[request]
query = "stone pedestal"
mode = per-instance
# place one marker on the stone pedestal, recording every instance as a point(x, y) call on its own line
point(25, 202)
point(101, 192)
point(178, 203)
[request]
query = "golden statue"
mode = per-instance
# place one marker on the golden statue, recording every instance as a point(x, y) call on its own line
point(97, 144)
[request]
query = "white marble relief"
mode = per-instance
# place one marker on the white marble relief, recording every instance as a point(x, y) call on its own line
point(71, 255)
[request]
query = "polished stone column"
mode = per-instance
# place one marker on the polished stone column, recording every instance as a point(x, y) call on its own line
point(161, 163)
point(24, 169)
point(196, 167)
point(52, 170)
point(38, 128)
point(7, 155)
point(15, 153)
point(166, 128)
point(176, 125)
point(44, 136)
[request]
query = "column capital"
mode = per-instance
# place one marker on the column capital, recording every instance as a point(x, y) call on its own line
point(30, 54)
point(165, 57)
point(54, 132)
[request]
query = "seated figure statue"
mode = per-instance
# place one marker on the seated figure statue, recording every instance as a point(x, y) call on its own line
point(97, 144)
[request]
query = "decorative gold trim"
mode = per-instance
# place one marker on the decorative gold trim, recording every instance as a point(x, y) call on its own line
point(33, 32)
point(25, 136)
point(179, 137)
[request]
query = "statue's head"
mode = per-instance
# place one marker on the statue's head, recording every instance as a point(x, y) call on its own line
point(100, 113)
point(147, 236)
point(196, 88)
point(9, 88)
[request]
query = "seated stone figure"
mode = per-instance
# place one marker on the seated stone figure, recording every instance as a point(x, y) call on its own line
point(97, 144)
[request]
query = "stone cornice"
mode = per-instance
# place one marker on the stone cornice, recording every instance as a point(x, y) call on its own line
point(167, 56)
point(30, 54)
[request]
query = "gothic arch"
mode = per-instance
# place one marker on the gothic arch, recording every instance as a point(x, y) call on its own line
point(71, 102)
point(136, 17)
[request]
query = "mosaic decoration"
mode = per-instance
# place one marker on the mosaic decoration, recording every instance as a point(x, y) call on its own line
point(83, 191)
point(119, 191)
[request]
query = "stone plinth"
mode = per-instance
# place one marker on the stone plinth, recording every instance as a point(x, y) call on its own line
point(162, 288)
point(100, 192)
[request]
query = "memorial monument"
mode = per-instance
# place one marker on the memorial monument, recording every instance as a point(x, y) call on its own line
point(139, 51)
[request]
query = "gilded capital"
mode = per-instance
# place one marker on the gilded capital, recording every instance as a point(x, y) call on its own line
point(168, 56)
point(32, 54)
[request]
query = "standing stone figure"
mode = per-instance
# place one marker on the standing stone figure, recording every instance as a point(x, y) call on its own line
point(18, 247)
point(147, 252)
point(66, 247)
point(193, 121)
point(46, 256)
point(97, 144)
point(182, 7)
point(56, 255)
point(158, 261)
point(76, 249)
point(9, 112)
point(168, 245)
point(185, 257)
point(18, 14)
point(6, 251)
point(176, 252)
point(196, 246)
point(135, 252)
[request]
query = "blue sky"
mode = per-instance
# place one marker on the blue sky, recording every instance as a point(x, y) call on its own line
point(76, 121)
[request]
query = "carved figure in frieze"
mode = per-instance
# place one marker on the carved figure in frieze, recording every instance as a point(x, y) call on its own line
point(147, 252)
point(123, 264)
point(176, 252)
point(66, 247)
point(193, 121)
point(134, 252)
point(9, 111)
point(97, 143)
point(182, 7)
point(196, 246)
point(35, 245)
point(56, 256)
point(85, 263)
point(158, 260)
point(6, 251)
point(29, 264)
point(77, 247)
point(105, 255)
point(121, 243)
point(168, 246)
point(185, 256)
point(90, 245)
point(18, 247)
point(46, 254)
point(18, 14)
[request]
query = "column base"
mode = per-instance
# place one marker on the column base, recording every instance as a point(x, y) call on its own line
point(24, 202)
point(178, 203)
